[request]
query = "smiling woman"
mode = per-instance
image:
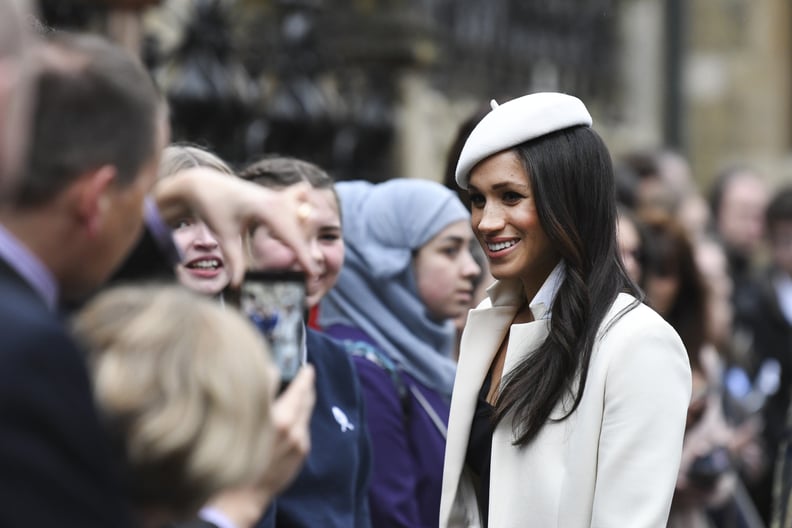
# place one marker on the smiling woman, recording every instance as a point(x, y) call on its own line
point(536, 437)
point(323, 225)
point(508, 229)
point(202, 268)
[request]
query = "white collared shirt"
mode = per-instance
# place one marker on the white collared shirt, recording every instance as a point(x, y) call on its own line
point(542, 302)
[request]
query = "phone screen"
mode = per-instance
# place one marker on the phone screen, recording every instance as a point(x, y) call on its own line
point(275, 302)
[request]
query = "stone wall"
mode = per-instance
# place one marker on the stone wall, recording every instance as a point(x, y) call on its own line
point(737, 86)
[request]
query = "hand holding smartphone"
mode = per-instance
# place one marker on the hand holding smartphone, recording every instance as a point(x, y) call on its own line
point(275, 302)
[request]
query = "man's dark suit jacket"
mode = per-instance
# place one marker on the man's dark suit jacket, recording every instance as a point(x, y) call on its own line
point(56, 464)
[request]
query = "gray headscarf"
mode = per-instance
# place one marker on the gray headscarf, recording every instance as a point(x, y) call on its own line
point(384, 225)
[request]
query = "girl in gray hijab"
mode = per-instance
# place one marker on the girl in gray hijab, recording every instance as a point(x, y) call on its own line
point(407, 274)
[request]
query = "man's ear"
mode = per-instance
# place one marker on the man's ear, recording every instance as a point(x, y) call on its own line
point(93, 200)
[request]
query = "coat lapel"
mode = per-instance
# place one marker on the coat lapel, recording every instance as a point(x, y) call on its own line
point(484, 332)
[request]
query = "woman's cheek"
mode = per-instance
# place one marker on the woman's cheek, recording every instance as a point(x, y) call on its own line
point(334, 261)
point(269, 253)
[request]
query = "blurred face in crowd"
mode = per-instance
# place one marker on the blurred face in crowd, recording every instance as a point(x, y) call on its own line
point(741, 214)
point(661, 291)
point(711, 261)
point(325, 240)
point(506, 223)
point(694, 214)
point(630, 247)
point(202, 268)
point(445, 272)
point(653, 192)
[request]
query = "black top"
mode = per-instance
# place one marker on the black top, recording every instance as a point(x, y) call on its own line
point(479, 449)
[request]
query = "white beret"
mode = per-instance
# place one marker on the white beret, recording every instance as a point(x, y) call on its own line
point(517, 121)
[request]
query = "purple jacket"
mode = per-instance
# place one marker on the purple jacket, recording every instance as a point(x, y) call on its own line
point(407, 445)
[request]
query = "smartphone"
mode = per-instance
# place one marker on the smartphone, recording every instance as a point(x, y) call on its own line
point(275, 302)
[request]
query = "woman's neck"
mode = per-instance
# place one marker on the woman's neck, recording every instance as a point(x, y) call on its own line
point(524, 314)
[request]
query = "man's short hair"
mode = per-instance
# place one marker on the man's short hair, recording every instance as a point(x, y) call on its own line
point(95, 105)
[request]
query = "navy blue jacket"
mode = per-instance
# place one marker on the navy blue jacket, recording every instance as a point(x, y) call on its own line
point(331, 489)
point(407, 447)
point(56, 464)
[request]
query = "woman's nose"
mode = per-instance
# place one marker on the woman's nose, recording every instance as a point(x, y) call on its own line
point(204, 237)
point(470, 268)
point(490, 219)
point(316, 251)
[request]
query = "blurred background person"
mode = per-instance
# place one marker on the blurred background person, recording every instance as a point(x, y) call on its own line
point(766, 317)
point(687, 203)
point(661, 179)
point(708, 490)
point(408, 273)
point(650, 190)
point(332, 488)
point(738, 197)
point(630, 239)
point(771, 311)
point(782, 483)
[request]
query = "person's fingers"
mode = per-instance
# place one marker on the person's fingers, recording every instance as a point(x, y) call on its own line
point(234, 258)
point(292, 411)
point(229, 206)
point(297, 209)
point(242, 505)
point(291, 414)
point(304, 210)
point(298, 399)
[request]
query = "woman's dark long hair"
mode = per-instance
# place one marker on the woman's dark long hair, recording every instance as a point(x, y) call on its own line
point(572, 180)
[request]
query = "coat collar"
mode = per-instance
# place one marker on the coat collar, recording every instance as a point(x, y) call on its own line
point(510, 293)
point(484, 331)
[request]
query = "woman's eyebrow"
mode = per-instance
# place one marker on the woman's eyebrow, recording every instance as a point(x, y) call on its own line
point(503, 184)
point(500, 185)
point(456, 239)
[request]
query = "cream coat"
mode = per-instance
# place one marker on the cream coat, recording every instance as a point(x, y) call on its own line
point(611, 464)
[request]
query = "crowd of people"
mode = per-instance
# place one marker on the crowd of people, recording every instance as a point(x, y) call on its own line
point(563, 337)
point(715, 264)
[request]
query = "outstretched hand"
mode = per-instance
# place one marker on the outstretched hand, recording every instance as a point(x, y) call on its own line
point(231, 206)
